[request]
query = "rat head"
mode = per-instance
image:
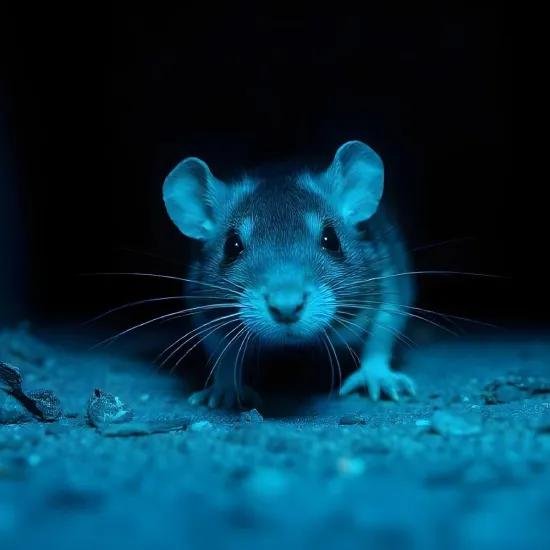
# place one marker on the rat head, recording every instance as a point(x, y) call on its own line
point(281, 246)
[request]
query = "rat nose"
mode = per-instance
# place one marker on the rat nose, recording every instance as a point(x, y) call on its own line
point(285, 305)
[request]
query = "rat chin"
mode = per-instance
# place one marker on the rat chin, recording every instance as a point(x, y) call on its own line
point(295, 334)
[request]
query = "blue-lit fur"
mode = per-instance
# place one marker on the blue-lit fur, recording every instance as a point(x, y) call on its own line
point(288, 289)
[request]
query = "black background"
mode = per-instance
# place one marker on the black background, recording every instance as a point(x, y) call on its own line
point(100, 106)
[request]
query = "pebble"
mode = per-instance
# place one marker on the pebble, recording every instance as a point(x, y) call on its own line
point(352, 419)
point(46, 404)
point(513, 387)
point(252, 416)
point(42, 403)
point(106, 408)
point(503, 394)
point(10, 377)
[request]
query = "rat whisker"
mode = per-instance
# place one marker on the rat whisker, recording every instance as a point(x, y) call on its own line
point(203, 337)
point(147, 301)
point(447, 316)
point(332, 375)
point(426, 272)
point(352, 353)
point(403, 338)
point(237, 371)
point(168, 277)
point(337, 360)
point(224, 350)
point(233, 283)
point(196, 329)
point(403, 313)
point(198, 332)
point(168, 316)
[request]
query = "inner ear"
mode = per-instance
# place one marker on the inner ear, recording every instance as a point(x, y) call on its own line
point(356, 181)
point(193, 198)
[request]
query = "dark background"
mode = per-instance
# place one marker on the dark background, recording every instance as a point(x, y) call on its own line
point(98, 107)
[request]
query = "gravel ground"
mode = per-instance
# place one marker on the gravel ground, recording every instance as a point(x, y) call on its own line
point(465, 464)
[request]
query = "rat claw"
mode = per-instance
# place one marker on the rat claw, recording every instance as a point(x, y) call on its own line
point(374, 390)
point(392, 393)
point(408, 384)
point(379, 381)
point(355, 382)
point(214, 400)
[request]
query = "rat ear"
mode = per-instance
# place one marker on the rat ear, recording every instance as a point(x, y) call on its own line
point(192, 196)
point(356, 180)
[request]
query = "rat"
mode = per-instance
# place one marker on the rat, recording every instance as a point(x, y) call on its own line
point(293, 259)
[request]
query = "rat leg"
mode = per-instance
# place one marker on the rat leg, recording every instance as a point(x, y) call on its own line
point(375, 373)
point(226, 391)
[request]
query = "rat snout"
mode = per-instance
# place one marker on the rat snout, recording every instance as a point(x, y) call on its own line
point(285, 304)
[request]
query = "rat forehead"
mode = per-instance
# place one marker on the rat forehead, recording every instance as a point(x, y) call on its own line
point(279, 207)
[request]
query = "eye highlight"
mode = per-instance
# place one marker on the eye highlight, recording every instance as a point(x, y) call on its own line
point(233, 247)
point(330, 240)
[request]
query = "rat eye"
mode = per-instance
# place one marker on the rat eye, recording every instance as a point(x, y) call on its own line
point(329, 239)
point(233, 247)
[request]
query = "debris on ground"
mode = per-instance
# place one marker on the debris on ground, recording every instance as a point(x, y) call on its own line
point(308, 471)
point(145, 427)
point(352, 419)
point(43, 404)
point(106, 408)
point(252, 416)
point(504, 389)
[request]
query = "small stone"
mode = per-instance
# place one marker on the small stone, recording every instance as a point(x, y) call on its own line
point(513, 387)
point(502, 393)
point(10, 377)
point(537, 385)
point(507, 393)
point(352, 419)
point(449, 424)
point(252, 416)
point(42, 403)
point(46, 403)
point(106, 408)
point(200, 426)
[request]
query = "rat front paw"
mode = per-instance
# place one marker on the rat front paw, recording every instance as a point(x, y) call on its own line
point(379, 381)
point(221, 397)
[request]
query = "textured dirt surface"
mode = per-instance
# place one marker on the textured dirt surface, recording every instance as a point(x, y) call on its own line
point(466, 464)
